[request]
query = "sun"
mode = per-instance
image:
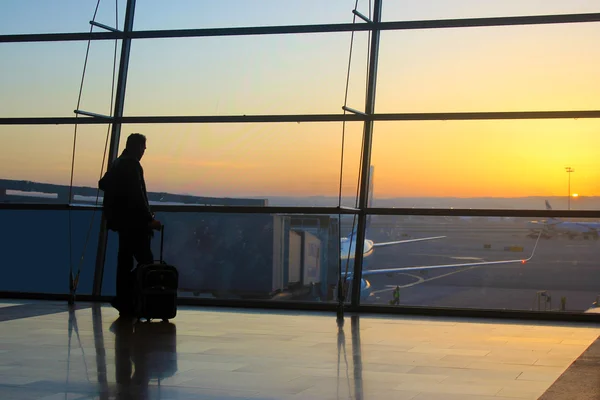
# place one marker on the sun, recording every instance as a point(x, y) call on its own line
point(575, 195)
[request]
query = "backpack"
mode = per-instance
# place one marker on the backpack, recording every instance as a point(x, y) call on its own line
point(108, 185)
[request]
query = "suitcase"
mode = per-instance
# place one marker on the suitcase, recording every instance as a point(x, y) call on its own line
point(155, 288)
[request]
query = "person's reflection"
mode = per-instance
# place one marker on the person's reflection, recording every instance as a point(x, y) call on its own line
point(147, 348)
point(100, 351)
point(356, 357)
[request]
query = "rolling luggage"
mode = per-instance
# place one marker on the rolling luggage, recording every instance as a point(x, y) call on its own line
point(155, 288)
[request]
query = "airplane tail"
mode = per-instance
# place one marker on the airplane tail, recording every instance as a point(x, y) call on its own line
point(551, 220)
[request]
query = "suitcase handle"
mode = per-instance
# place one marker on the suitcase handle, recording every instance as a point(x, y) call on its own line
point(162, 240)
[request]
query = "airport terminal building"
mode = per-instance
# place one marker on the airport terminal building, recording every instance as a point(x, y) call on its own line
point(363, 199)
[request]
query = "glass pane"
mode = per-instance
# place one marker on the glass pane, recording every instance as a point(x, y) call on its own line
point(287, 164)
point(487, 164)
point(252, 256)
point(273, 74)
point(518, 68)
point(193, 14)
point(43, 79)
point(443, 9)
point(562, 275)
point(41, 16)
point(36, 162)
point(35, 250)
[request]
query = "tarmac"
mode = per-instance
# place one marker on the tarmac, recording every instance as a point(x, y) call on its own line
point(564, 274)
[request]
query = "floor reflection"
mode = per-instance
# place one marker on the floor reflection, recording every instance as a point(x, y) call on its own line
point(212, 354)
point(144, 351)
point(73, 328)
point(356, 359)
point(100, 350)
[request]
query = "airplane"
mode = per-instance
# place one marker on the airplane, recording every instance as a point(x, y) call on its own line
point(365, 287)
point(555, 226)
point(348, 244)
point(348, 251)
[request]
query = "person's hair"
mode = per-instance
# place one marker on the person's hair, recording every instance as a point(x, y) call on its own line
point(135, 140)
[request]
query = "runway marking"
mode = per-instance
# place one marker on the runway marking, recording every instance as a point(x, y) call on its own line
point(421, 280)
point(447, 256)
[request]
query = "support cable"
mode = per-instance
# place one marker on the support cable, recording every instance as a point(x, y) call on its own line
point(341, 292)
point(74, 280)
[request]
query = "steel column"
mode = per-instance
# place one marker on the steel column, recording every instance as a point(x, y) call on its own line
point(366, 159)
point(115, 137)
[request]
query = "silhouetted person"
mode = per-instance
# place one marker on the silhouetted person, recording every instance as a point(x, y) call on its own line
point(127, 212)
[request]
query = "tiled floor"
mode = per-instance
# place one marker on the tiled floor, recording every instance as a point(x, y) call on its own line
point(239, 354)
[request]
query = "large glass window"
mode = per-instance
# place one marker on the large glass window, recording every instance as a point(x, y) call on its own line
point(36, 162)
point(277, 254)
point(44, 79)
point(272, 74)
point(286, 164)
point(443, 9)
point(514, 68)
point(35, 250)
point(486, 164)
point(560, 276)
point(285, 257)
point(40, 16)
point(192, 14)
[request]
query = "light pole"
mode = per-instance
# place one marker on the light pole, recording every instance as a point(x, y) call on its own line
point(569, 170)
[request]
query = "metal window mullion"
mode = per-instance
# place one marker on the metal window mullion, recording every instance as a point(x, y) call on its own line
point(484, 212)
point(303, 210)
point(366, 159)
point(114, 138)
point(266, 118)
point(313, 28)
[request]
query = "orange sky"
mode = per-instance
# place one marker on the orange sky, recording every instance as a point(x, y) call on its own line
point(462, 159)
point(486, 69)
point(486, 158)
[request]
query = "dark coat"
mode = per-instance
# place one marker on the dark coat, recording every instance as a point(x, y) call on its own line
point(125, 202)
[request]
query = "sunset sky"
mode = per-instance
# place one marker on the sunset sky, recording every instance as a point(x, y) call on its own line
point(523, 68)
